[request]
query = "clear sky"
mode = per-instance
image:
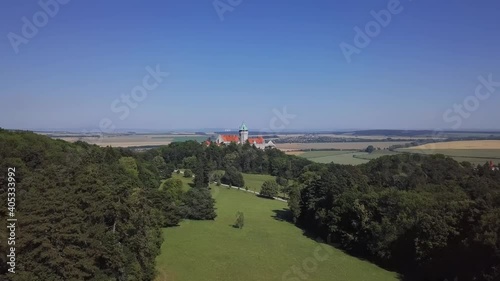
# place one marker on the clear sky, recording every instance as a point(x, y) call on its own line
point(247, 63)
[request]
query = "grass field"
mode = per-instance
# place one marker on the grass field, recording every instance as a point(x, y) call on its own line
point(185, 181)
point(254, 182)
point(135, 140)
point(474, 156)
point(338, 157)
point(187, 138)
point(376, 154)
point(264, 250)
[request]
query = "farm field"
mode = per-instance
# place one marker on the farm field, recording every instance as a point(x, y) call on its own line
point(265, 249)
point(336, 145)
point(376, 154)
point(338, 157)
point(134, 140)
point(474, 153)
point(475, 156)
point(476, 144)
point(188, 138)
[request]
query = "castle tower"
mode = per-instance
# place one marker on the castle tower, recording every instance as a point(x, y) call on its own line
point(243, 133)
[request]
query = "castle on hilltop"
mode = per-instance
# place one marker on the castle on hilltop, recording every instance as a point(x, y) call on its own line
point(242, 138)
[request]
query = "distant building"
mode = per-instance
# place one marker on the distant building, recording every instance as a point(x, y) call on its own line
point(242, 138)
point(493, 167)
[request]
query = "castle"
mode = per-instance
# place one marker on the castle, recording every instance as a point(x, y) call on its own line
point(242, 138)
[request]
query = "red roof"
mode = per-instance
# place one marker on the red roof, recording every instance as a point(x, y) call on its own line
point(230, 138)
point(257, 140)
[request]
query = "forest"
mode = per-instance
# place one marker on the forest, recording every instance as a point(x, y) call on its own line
point(92, 213)
point(428, 217)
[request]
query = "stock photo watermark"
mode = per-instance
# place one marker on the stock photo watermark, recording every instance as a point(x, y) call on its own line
point(483, 91)
point(31, 26)
point(127, 102)
point(363, 36)
point(223, 6)
point(279, 121)
point(309, 265)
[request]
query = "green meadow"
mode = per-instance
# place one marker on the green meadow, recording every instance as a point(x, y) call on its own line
point(474, 156)
point(267, 248)
point(345, 157)
point(376, 154)
point(188, 138)
point(255, 181)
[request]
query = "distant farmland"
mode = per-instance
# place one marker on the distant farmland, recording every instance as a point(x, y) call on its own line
point(475, 156)
point(135, 140)
point(376, 154)
point(476, 152)
point(338, 157)
point(461, 145)
point(337, 145)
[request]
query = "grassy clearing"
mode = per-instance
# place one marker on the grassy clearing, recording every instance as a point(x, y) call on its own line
point(254, 182)
point(338, 157)
point(265, 249)
point(185, 181)
point(344, 159)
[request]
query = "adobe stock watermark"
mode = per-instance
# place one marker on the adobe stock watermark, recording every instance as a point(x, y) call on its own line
point(484, 89)
point(31, 27)
point(279, 121)
point(223, 6)
point(309, 265)
point(122, 106)
point(363, 38)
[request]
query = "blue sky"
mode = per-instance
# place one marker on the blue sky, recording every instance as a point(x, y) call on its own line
point(263, 56)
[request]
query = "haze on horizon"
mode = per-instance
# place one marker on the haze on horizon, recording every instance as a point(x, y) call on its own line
point(255, 62)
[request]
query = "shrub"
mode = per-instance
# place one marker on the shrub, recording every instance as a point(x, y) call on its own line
point(240, 220)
